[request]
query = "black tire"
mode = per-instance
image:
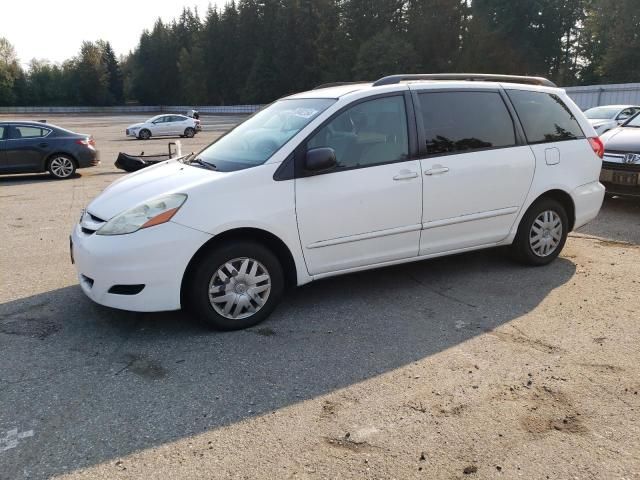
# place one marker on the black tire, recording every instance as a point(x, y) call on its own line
point(189, 132)
point(198, 284)
point(61, 166)
point(144, 134)
point(522, 245)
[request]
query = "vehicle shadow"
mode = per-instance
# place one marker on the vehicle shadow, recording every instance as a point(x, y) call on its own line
point(28, 178)
point(95, 383)
point(619, 221)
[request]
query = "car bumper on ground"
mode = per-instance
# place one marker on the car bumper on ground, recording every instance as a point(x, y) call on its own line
point(588, 201)
point(141, 271)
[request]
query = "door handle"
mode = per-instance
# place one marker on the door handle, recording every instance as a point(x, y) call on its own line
point(44, 145)
point(436, 170)
point(405, 175)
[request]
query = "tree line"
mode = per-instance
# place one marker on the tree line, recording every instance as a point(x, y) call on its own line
point(254, 51)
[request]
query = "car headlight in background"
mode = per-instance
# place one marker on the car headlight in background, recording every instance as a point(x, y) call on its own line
point(153, 212)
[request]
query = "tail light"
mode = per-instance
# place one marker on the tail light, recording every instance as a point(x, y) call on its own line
point(89, 141)
point(597, 145)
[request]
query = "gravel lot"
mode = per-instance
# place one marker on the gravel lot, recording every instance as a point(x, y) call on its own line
point(464, 367)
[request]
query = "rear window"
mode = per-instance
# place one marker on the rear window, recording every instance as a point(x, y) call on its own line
point(545, 117)
point(457, 122)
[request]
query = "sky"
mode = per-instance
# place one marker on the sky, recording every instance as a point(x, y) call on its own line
point(54, 30)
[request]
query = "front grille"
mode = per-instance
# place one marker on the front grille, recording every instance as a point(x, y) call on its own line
point(622, 167)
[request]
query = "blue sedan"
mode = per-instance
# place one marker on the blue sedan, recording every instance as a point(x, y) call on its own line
point(32, 147)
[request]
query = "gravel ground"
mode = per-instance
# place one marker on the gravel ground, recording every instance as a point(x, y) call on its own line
point(462, 367)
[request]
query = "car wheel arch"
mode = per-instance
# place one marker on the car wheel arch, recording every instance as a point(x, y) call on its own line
point(268, 239)
point(565, 200)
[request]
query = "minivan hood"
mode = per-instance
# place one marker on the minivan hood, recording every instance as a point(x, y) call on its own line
point(163, 178)
point(623, 139)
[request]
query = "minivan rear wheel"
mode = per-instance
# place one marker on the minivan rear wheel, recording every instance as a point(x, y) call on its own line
point(542, 233)
point(235, 286)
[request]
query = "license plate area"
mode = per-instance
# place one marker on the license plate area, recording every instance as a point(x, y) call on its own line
point(624, 178)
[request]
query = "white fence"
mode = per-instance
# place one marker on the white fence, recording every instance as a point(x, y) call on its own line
point(218, 109)
point(614, 94)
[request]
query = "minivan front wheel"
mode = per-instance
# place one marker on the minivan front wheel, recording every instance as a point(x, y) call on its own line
point(542, 233)
point(236, 286)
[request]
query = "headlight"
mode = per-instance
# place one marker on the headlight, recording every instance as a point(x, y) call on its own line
point(154, 212)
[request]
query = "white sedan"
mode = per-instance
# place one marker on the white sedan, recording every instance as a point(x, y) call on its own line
point(608, 117)
point(165, 125)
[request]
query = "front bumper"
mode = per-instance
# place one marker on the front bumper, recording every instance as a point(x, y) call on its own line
point(588, 201)
point(612, 175)
point(155, 257)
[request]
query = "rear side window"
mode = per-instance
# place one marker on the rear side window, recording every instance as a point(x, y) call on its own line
point(22, 131)
point(545, 117)
point(456, 122)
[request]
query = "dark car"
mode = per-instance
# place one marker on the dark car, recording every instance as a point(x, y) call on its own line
point(621, 163)
point(31, 147)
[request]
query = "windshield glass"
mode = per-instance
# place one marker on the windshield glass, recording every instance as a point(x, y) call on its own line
point(601, 112)
point(633, 122)
point(254, 141)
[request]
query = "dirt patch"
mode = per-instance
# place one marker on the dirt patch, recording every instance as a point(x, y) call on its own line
point(30, 327)
point(144, 367)
point(347, 443)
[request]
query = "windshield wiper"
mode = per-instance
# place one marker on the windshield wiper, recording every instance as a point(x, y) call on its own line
point(207, 165)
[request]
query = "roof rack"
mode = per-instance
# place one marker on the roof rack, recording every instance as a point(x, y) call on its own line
point(472, 77)
point(335, 84)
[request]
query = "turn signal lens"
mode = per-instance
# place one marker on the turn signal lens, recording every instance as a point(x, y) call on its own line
point(597, 145)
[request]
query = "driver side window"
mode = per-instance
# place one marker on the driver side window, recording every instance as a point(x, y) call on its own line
point(370, 133)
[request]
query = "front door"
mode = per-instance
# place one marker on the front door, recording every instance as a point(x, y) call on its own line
point(26, 148)
point(367, 210)
point(476, 171)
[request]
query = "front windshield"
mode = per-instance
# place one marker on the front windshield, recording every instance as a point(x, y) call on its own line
point(254, 141)
point(601, 112)
point(633, 122)
point(153, 119)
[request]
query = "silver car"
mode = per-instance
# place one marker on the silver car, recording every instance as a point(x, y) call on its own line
point(609, 117)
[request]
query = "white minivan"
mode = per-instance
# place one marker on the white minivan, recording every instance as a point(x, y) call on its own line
point(340, 179)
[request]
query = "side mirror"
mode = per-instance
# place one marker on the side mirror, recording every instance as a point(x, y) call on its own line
point(319, 160)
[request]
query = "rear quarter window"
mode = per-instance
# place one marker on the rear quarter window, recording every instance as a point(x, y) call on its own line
point(545, 117)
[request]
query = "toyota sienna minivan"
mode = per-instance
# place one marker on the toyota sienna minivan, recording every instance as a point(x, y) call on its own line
point(344, 178)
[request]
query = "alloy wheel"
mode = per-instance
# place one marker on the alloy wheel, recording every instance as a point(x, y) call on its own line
point(62, 167)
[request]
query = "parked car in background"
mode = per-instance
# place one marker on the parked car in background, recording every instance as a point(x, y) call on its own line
point(608, 117)
point(621, 166)
point(165, 125)
point(343, 179)
point(32, 147)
